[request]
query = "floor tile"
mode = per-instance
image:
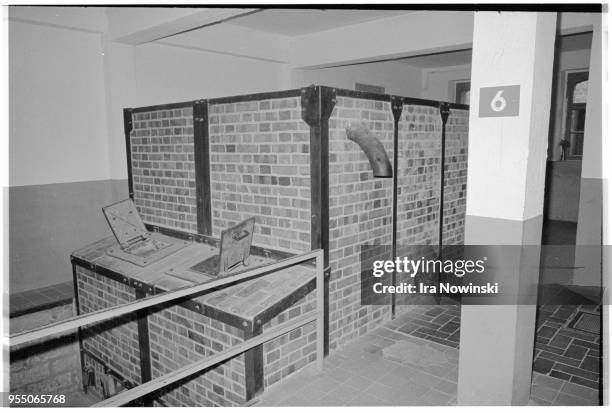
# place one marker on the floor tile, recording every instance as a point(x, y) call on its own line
point(363, 399)
point(543, 393)
point(547, 381)
point(579, 391)
point(359, 382)
point(435, 398)
point(447, 387)
point(569, 400)
point(395, 396)
point(534, 401)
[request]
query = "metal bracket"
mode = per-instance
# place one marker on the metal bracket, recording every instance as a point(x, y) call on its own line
point(444, 111)
point(397, 107)
point(308, 100)
point(199, 112)
point(328, 102)
point(317, 104)
point(128, 124)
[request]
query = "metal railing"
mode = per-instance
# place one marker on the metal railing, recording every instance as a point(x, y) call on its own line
point(137, 392)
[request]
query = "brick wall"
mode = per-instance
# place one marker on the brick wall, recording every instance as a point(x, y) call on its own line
point(179, 337)
point(260, 166)
point(115, 342)
point(290, 352)
point(360, 211)
point(48, 367)
point(418, 191)
point(163, 168)
point(455, 180)
point(418, 178)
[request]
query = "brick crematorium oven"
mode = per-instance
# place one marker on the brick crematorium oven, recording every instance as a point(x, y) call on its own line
point(316, 168)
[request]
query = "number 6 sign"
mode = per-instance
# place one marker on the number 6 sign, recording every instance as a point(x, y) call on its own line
point(499, 101)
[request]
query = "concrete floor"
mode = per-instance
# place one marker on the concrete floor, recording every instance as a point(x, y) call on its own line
point(382, 368)
point(390, 368)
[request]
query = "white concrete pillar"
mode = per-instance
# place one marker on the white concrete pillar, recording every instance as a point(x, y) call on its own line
point(588, 232)
point(505, 194)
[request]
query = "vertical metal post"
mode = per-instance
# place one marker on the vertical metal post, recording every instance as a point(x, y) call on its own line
point(253, 362)
point(127, 130)
point(444, 112)
point(201, 159)
point(397, 106)
point(320, 288)
point(77, 309)
point(144, 348)
point(317, 104)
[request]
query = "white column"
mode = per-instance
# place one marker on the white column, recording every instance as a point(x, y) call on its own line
point(505, 194)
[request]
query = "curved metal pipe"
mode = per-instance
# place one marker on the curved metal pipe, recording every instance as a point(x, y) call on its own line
point(373, 148)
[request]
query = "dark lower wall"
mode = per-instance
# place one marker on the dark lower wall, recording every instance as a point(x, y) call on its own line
point(563, 190)
point(48, 367)
point(48, 222)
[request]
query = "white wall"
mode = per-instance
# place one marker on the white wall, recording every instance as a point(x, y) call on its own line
point(168, 74)
point(57, 123)
point(438, 82)
point(68, 88)
point(397, 78)
point(77, 82)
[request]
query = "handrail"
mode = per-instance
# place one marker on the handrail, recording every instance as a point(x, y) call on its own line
point(127, 396)
point(123, 309)
point(200, 365)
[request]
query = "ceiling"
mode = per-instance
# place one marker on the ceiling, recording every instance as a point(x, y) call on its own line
point(457, 58)
point(464, 57)
point(298, 22)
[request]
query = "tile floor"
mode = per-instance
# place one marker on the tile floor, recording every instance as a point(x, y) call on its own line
point(561, 351)
point(549, 391)
point(437, 323)
point(383, 368)
point(564, 352)
point(388, 367)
